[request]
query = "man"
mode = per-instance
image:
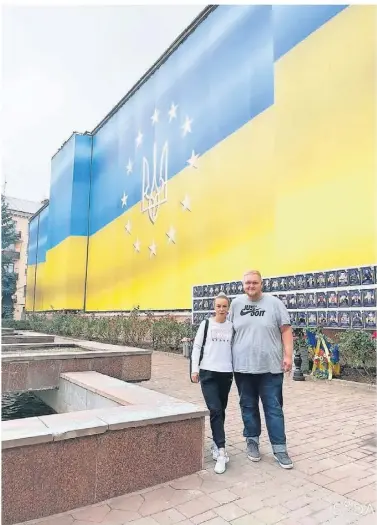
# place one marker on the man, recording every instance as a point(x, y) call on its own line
point(262, 352)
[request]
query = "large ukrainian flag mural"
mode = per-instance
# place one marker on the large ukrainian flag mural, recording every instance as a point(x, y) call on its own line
point(252, 145)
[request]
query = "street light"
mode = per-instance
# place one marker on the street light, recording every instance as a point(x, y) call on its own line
point(298, 340)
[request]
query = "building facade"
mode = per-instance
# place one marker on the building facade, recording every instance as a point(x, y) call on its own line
point(21, 211)
point(250, 143)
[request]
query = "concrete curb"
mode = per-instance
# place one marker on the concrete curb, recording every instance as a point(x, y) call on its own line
point(361, 386)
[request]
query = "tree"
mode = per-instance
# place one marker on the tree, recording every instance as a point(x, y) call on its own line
point(8, 278)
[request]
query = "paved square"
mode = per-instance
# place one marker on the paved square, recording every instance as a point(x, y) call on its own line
point(331, 432)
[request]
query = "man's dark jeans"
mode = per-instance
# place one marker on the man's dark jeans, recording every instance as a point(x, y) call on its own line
point(269, 388)
point(215, 388)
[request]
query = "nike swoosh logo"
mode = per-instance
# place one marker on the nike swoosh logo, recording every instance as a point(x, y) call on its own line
point(253, 313)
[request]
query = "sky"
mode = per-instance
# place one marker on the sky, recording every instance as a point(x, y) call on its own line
point(63, 70)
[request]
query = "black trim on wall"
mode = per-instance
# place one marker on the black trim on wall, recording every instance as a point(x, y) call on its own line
point(36, 263)
point(88, 233)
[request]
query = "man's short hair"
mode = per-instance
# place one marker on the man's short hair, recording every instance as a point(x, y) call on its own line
point(255, 272)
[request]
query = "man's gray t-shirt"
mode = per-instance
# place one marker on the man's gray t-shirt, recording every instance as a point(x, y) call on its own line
point(257, 345)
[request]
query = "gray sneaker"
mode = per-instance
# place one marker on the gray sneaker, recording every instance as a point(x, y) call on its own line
point(252, 450)
point(283, 459)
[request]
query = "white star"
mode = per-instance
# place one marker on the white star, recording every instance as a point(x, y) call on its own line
point(186, 203)
point(155, 115)
point(187, 126)
point(172, 112)
point(139, 139)
point(128, 227)
point(129, 167)
point(193, 160)
point(171, 235)
point(124, 199)
point(136, 245)
point(153, 249)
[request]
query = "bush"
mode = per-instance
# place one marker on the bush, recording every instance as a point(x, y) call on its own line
point(299, 340)
point(17, 325)
point(168, 332)
point(357, 349)
point(136, 330)
point(164, 333)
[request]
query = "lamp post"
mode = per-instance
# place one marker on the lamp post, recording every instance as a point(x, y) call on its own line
point(297, 372)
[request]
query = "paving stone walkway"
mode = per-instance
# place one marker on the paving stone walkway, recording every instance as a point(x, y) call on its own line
point(331, 431)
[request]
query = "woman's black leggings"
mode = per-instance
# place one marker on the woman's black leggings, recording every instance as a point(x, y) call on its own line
point(215, 388)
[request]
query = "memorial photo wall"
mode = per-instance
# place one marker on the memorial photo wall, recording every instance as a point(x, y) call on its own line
point(337, 298)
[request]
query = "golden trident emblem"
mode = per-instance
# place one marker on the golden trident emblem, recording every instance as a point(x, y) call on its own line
point(155, 191)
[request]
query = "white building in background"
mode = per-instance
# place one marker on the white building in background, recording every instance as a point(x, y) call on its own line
point(21, 211)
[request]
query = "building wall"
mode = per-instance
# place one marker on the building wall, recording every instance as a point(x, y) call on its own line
point(270, 161)
point(59, 233)
point(20, 265)
point(21, 221)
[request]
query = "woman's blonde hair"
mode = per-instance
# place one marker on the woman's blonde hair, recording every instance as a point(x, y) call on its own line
point(221, 295)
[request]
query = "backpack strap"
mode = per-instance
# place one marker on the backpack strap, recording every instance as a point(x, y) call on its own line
point(204, 340)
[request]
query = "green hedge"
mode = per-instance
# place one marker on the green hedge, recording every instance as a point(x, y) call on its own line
point(358, 349)
point(17, 325)
point(164, 333)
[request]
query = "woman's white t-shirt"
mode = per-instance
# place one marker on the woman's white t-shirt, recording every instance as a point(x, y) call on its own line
point(217, 355)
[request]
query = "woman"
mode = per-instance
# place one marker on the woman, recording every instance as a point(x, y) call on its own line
point(216, 373)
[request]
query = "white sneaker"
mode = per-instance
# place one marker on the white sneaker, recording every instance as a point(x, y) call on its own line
point(215, 451)
point(221, 462)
